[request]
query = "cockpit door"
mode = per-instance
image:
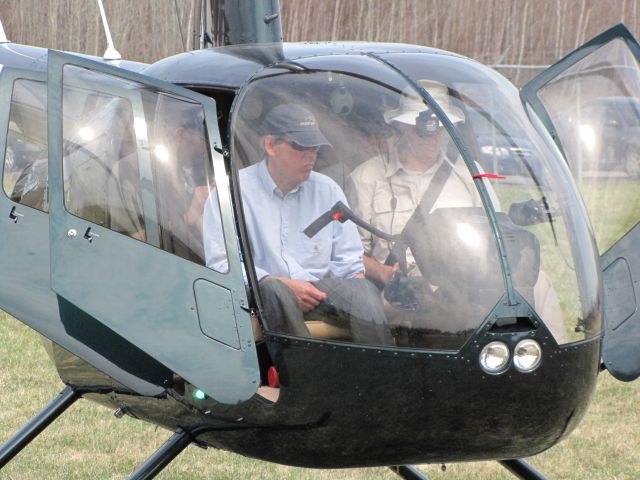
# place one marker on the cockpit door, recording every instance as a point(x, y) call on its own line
point(590, 103)
point(132, 161)
point(24, 261)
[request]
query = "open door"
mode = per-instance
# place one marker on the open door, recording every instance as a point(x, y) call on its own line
point(590, 102)
point(24, 250)
point(132, 161)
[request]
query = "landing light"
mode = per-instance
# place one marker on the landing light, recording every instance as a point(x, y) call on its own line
point(199, 394)
point(527, 355)
point(494, 358)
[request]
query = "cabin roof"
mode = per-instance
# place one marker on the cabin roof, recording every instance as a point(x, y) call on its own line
point(229, 67)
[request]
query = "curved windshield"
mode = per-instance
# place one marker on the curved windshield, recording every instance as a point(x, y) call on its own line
point(534, 188)
point(367, 224)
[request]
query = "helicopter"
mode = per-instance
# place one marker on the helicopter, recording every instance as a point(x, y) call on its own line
point(507, 306)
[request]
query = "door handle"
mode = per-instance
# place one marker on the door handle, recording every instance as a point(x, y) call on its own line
point(89, 235)
point(14, 215)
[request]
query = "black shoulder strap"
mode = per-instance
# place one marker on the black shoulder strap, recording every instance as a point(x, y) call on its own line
point(428, 200)
point(434, 189)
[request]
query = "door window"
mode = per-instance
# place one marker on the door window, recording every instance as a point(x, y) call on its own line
point(25, 162)
point(136, 162)
point(595, 109)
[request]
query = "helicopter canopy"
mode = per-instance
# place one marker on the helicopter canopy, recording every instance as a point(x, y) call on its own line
point(465, 193)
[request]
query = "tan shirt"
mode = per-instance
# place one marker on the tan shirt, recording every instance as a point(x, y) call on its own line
point(374, 184)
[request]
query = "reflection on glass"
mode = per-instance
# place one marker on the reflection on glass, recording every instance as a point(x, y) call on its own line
point(26, 164)
point(595, 109)
point(429, 248)
point(137, 163)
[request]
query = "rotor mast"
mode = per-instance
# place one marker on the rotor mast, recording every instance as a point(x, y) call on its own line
point(236, 22)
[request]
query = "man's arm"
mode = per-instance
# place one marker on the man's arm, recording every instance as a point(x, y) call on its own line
point(347, 251)
point(212, 234)
point(359, 193)
point(377, 271)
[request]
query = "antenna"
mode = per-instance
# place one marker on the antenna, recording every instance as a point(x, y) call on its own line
point(3, 36)
point(110, 53)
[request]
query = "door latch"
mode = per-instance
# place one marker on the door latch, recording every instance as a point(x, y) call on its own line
point(89, 235)
point(15, 216)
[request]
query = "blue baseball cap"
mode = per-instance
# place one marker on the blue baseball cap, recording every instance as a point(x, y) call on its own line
point(296, 123)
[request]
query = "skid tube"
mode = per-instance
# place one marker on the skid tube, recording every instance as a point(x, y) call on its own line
point(37, 424)
point(162, 457)
point(522, 469)
point(517, 467)
point(408, 472)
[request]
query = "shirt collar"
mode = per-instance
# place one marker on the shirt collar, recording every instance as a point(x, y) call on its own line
point(268, 183)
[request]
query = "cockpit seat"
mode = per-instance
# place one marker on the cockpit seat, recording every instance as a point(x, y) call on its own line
point(327, 331)
point(317, 329)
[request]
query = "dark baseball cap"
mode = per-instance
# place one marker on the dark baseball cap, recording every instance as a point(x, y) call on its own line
point(296, 123)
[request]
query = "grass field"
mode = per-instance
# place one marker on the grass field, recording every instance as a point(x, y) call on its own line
point(89, 442)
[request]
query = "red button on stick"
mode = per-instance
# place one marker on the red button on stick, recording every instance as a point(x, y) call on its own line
point(337, 216)
point(272, 377)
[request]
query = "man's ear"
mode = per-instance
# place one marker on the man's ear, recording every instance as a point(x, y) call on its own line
point(269, 143)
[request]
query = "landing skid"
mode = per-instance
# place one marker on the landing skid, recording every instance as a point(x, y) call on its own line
point(518, 467)
point(163, 456)
point(180, 440)
point(67, 397)
point(522, 469)
point(37, 424)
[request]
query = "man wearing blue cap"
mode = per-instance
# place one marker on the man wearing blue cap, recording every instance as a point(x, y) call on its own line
point(301, 277)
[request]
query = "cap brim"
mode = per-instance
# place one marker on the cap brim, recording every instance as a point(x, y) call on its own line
point(402, 116)
point(309, 138)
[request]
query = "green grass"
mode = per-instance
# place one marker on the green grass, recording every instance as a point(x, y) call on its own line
point(89, 442)
point(613, 206)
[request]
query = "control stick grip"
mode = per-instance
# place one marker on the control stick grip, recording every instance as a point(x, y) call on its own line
point(337, 212)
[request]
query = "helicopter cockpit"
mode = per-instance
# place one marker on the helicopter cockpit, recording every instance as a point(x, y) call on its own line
point(460, 197)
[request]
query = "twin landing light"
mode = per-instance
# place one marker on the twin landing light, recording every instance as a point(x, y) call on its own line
point(495, 357)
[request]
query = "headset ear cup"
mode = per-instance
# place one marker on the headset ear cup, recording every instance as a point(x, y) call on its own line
point(427, 123)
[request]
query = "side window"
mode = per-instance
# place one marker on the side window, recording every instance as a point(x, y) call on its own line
point(136, 161)
point(25, 162)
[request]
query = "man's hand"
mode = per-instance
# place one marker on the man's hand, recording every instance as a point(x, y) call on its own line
point(308, 295)
point(379, 271)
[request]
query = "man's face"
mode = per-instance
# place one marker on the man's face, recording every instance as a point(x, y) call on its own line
point(428, 146)
point(289, 162)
